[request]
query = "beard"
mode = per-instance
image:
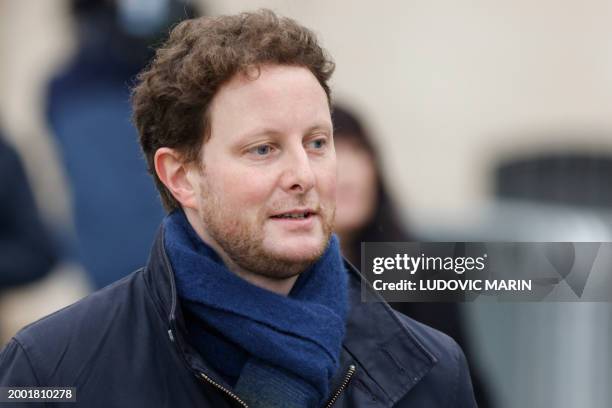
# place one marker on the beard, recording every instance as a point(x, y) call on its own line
point(242, 239)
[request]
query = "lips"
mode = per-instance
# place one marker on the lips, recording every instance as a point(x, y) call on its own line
point(297, 214)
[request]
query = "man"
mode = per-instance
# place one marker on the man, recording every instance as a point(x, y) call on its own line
point(245, 299)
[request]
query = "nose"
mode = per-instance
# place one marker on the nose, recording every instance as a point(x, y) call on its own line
point(298, 175)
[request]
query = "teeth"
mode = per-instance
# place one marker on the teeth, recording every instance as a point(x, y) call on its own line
point(293, 216)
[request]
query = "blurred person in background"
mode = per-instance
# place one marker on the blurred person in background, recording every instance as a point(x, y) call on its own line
point(27, 252)
point(116, 209)
point(366, 213)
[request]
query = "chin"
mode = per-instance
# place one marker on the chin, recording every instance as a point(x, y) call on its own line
point(298, 248)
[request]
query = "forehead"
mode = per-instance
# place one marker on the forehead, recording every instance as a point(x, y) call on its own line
point(283, 98)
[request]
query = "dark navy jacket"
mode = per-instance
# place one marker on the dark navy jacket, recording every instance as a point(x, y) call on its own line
point(126, 346)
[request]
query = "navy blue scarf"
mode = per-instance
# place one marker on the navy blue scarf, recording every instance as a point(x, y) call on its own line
point(284, 350)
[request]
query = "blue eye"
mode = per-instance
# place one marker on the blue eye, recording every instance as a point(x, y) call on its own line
point(262, 150)
point(319, 143)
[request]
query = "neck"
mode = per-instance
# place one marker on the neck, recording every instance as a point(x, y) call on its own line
point(279, 286)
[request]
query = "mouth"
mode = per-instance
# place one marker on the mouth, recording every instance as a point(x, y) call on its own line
point(298, 214)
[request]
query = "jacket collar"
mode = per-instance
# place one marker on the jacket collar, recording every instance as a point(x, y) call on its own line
point(389, 358)
point(392, 360)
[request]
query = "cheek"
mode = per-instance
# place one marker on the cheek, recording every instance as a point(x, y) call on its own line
point(368, 190)
point(242, 190)
point(326, 182)
point(357, 188)
point(357, 176)
point(369, 181)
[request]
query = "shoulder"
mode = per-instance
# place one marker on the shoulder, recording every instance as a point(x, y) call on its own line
point(84, 330)
point(450, 372)
point(83, 315)
point(439, 344)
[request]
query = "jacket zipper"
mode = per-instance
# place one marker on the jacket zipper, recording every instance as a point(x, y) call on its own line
point(345, 382)
point(225, 390)
point(330, 403)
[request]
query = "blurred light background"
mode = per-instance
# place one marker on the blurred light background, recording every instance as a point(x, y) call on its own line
point(493, 119)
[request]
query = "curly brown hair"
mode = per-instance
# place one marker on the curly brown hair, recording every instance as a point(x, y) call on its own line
point(172, 95)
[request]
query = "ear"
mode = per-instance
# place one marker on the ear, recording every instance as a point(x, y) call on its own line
point(174, 173)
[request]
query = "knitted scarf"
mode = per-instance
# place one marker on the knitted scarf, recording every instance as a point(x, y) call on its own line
point(283, 350)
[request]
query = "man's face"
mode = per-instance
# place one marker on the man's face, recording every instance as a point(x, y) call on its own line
point(268, 178)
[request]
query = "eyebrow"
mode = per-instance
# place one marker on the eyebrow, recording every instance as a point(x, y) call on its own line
point(271, 131)
point(322, 126)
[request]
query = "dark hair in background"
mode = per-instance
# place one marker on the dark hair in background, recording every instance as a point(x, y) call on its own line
point(174, 93)
point(385, 225)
